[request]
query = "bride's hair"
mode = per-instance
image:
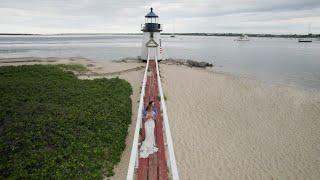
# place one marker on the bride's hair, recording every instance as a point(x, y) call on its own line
point(149, 106)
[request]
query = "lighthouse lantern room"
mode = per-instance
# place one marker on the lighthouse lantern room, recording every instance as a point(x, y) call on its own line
point(151, 43)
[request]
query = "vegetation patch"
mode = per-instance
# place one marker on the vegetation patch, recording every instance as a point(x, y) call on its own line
point(73, 67)
point(55, 126)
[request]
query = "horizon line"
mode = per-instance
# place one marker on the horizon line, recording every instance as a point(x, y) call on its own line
point(169, 33)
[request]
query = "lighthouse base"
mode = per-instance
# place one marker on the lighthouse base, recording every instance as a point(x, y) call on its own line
point(143, 60)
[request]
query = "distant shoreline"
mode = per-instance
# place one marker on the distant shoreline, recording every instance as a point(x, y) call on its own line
point(184, 34)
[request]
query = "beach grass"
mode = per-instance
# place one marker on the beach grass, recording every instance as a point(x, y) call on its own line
point(55, 126)
point(73, 67)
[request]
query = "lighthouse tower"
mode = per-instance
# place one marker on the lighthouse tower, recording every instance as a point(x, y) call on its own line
point(151, 43)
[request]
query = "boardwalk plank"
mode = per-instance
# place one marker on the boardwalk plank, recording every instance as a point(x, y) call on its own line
point(155, 166)
point(143, 169)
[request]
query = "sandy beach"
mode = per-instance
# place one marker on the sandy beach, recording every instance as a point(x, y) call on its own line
point(227, 127)
point(223, 126)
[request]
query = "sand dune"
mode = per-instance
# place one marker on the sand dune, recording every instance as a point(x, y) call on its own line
point(225, 127)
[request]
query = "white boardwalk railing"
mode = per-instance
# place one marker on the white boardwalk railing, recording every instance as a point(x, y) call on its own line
point(134, 157)
point(172, 157)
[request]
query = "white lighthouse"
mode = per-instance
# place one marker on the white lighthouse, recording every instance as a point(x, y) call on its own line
point(151, 43)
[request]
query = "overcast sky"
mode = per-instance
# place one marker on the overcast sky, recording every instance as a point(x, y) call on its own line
point(121, 16)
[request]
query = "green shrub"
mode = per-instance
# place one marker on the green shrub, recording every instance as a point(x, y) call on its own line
point(55, 126)
point(73, 67)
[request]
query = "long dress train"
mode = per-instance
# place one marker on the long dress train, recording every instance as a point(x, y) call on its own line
point(148, 145)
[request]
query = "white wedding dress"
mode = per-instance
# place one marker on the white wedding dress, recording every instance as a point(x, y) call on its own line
point(148, 145)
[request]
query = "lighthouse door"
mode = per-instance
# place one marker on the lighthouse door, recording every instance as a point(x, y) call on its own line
point(152, 53)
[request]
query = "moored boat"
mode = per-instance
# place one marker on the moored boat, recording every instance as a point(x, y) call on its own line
point(304, 40)
point(243, 37)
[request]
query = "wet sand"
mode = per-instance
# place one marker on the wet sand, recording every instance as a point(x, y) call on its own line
point(227, 127)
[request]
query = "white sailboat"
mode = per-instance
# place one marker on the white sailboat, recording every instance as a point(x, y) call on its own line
point(243, 37)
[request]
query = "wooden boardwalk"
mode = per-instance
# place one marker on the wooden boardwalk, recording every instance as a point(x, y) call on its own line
point(155, 166)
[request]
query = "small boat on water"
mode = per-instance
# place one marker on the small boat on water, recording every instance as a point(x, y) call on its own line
point(304, 40)
point(243, 37)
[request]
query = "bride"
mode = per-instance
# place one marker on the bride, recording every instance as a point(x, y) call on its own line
point(148, 145)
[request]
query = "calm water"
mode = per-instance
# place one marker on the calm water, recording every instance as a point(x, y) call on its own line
point(273, 60)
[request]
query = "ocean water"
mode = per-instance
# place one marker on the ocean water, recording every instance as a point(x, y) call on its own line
point(275, 60)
